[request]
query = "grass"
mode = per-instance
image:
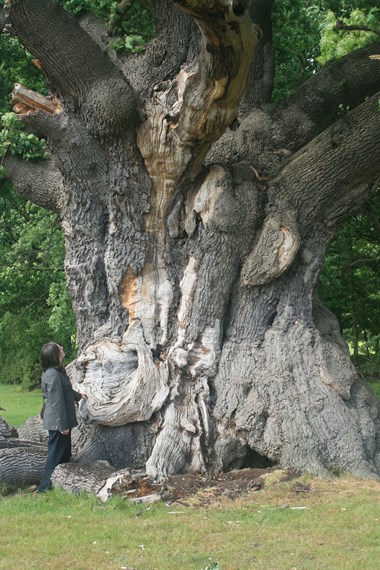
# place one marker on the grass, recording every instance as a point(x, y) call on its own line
point(332, 525)
point(19, 404)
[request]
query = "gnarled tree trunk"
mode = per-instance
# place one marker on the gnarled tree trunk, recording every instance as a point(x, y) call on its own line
point(195, 231)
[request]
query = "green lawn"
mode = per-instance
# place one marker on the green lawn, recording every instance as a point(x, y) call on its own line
point(331, 526)
point(19, 405)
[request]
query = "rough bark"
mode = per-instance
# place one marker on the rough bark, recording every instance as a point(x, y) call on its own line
point(82, 477)
point(21, 461)
point(33, 430)
point(100, 478)
point(194, 238)
point(22, 465)
point(6, 431)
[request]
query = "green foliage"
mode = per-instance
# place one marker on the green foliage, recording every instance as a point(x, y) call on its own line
point(296, 35)
point(304, 39)
point(131, 29)
point(101, 8)
point(16, 66)
point(350, 286)
point(16, 140)
point(34, 304)
point(335, 44)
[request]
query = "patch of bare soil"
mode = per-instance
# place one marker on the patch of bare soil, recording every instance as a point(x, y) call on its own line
point(231, 485)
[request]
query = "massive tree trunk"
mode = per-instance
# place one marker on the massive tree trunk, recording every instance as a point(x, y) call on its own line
point(195, 231)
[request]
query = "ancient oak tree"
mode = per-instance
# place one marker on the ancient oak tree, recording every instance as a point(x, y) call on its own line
point(196, 216)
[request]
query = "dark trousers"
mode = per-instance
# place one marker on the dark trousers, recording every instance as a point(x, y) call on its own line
point(59, 451)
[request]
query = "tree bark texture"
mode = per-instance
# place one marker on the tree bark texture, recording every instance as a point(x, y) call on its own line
point(196, 217)
point(21, 461)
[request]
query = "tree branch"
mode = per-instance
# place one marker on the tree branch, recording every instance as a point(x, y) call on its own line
point(26, 101)
point(71, 60)
point(321, 179)
point(320, 186)
point(40, 182)
point(176, 42)
point(341, 27)
point(344, 83)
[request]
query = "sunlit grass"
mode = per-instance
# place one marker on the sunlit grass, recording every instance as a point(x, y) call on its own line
point(19, 404)
point(333, 525)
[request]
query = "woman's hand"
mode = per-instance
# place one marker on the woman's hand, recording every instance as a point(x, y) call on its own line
point(65, 432)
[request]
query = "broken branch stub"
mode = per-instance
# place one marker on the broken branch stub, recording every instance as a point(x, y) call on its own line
point(27, 101)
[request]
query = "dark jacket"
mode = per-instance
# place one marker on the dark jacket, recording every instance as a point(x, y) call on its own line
point(59, 413)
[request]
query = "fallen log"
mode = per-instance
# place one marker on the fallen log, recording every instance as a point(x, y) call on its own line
point(82, 477)
point(100, 478)
point(21, 463)
point(33, 430)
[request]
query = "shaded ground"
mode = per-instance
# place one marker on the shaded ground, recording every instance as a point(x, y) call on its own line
point(230, 485)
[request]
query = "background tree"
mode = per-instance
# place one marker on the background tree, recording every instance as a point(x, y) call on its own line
point(195, 230)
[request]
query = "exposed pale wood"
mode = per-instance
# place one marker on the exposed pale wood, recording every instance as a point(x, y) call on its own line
point(121, 381)
point(25, 100)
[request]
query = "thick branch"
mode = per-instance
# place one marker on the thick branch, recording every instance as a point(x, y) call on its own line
point(320, 181)
point(71, 60)
point(322, 184)
point(176, 41)
point(40, 182)
point(341, 84)
point(25, 101)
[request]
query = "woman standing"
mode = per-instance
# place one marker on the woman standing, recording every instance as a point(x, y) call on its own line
point(58, 411)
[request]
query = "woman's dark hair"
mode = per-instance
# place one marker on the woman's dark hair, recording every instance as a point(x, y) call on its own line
point(50, 356)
